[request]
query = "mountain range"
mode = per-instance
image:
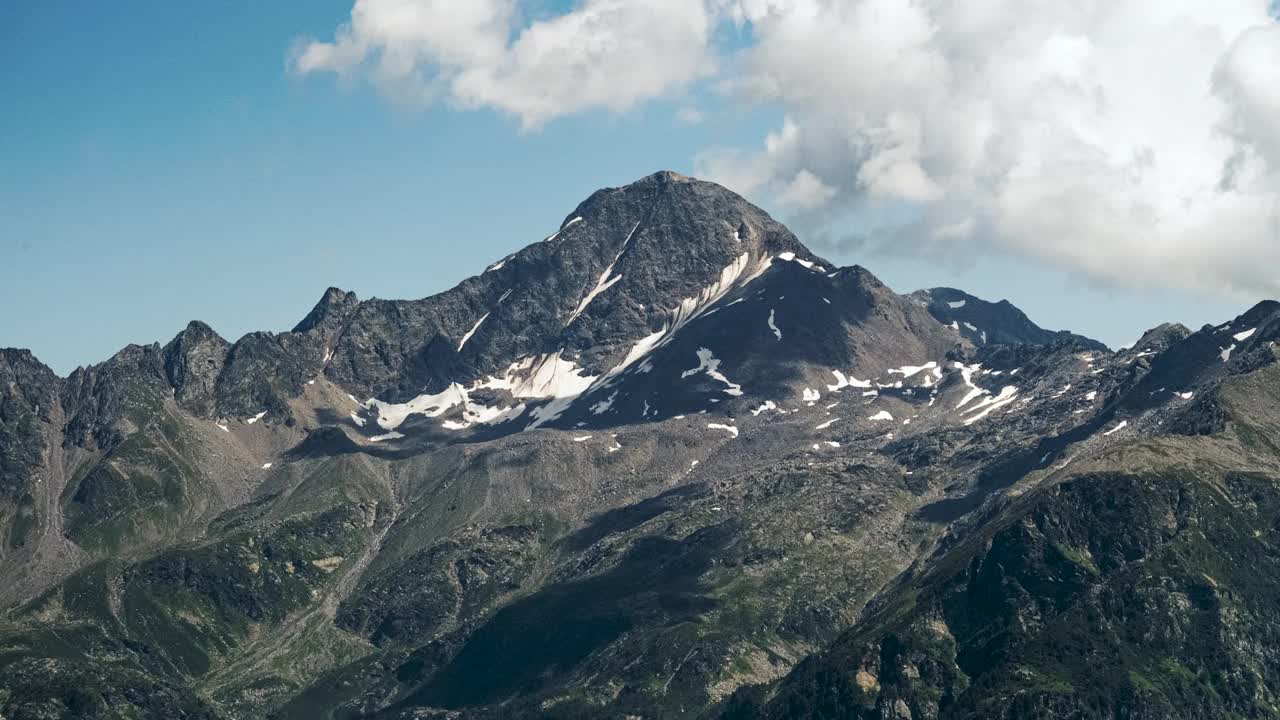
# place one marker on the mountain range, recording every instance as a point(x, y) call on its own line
point(664, 463)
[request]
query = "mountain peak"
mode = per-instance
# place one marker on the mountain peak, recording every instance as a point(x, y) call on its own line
point(196, 330)
point(668, 176)
point(995, 323)
point(192, 362)
point(22, 375)
point(627, 262)
point(1261, 313)
point(1162, 336)
point(333, 307)
point(668, 191)
point(19, 357)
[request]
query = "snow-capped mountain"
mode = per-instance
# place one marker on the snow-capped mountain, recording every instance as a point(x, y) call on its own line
point(664, 462)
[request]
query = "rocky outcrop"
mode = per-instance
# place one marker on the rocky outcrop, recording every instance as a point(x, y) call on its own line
point(193, 361)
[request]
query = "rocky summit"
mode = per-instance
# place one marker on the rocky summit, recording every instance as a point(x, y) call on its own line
point(664, 463)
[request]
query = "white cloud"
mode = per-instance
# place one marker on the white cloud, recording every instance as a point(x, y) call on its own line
point(1134, 142)
point(806, 191)
point(610, 54)
point(1130, 141)
point(1248, 79)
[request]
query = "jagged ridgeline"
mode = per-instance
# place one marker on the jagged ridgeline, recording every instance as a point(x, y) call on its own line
point(664, 463)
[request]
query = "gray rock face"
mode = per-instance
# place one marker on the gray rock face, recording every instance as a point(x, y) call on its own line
point(28, 381)
point(193, 361)
point(264, 370)
point(615, 271)
point(105, 402)
point(329, 316)
point(28, 399)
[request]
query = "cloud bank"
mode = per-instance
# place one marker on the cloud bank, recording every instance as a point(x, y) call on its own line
point(1133, 142)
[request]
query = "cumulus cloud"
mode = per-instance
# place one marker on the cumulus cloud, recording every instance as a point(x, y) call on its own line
point(1130, 141)
point(610, 54)
point(1135, 142)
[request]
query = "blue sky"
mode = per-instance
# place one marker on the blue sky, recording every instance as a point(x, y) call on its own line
point(159, 163)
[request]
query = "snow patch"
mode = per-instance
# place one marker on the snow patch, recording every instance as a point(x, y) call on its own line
point(710, 364)
point(255, 418)
point(882, 415)
point(1226, 353)
point(811, 396)
point(603, 406)
point(603, 284)
point(733, 275)
point(773, 326)
point(727, 428)
point(1241, 337)
point(583, 438)
point(385, 437)
point(359, 421)
point(791, 257)
point(768, 405)
point(827, 424)
point(266, 466)
point(606, 280)
point(956, 305)
point(542, 377)
point(966, 374)
point(989, 405)
point(472, 331)
point(393, 415)
point(844, 382)
point(1123, 424)
point(907, 371)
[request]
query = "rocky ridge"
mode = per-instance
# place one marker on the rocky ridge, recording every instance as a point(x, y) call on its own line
point(664, 463)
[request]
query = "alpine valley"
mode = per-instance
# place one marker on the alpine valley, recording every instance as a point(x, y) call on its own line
point(665, 463)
